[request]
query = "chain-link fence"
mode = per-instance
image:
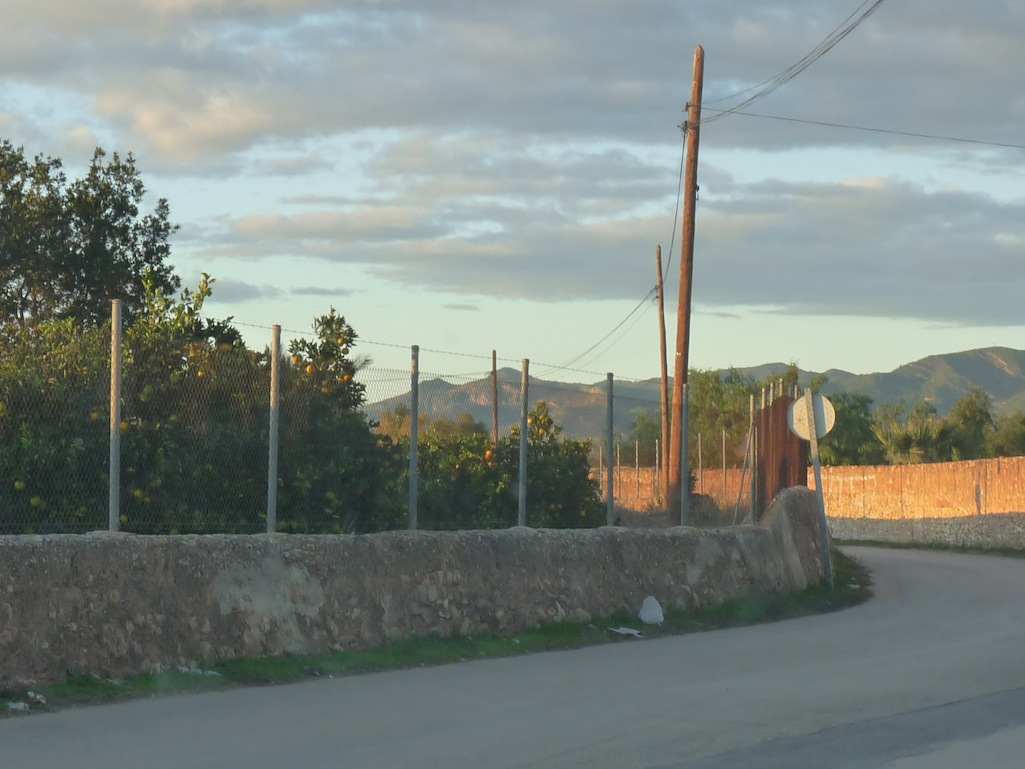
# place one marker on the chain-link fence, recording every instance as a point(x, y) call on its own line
point(213, 437)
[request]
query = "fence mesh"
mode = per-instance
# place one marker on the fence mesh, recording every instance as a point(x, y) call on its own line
point(195, 436)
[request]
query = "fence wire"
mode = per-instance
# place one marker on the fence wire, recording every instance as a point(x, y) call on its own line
point(195, 432)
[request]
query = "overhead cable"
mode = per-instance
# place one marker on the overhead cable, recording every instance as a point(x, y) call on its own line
point(912, 134)
point(768, 86)
point(572, 361)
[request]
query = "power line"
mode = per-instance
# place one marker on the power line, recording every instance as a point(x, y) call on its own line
point(565, 366)
point(641, 316)
point(550, 368)
point(676, 210)
point(825, 46)
point(912, 134)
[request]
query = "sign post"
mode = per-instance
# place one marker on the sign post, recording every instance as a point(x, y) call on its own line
point(811, 418)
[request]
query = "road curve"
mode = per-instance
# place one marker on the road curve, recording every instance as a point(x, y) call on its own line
point(929, 673)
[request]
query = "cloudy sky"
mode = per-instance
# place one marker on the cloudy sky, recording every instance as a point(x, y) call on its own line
point(469, 176)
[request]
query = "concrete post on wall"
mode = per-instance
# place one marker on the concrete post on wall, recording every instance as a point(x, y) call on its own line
point(273, 430)
point(814, 427)
point(114, 479)
point(637, 469)
point(753, 432)
point(610, 499)
point(701, 469)
point(685, 460)
point(521, 511)
point(414, 434)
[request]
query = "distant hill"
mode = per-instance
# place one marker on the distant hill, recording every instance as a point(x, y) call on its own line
point(939, 379)
point(943, 379)
point(581, 408)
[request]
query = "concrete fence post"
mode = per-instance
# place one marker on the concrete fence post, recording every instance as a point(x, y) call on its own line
point(685, 459)
point(637, 469)
point(273, 430)
point(114, 479)
point(521, 511)
point(610, 501)
point(414, 434)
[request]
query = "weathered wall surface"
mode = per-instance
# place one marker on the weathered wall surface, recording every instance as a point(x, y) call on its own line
point(637, 490)
point(953, 503)
point(121, 604)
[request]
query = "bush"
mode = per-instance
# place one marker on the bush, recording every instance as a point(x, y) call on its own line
point(467, 482)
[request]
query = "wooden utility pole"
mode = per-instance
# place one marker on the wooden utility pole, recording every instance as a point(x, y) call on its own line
point(677, 453)
point(663, 471)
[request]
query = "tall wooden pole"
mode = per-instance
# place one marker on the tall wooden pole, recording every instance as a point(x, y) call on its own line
point(677, 453)
point(663, 470)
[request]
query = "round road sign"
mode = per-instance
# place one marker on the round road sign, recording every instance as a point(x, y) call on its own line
point(825, 417)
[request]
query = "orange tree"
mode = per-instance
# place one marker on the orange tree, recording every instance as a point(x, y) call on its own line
point(54, 432)
point(196, 446)
point(336, 473)
point(194, 430)
point(194, 421)
point(560, 490)
point(468, 482)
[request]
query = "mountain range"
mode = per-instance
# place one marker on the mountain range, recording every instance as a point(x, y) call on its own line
point(581, 408)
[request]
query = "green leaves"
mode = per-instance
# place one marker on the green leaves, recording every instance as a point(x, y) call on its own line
point(67, 249)
point(324, 364)
point(468, 482)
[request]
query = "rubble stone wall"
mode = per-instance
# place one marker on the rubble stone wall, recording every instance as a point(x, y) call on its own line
point(121, 604)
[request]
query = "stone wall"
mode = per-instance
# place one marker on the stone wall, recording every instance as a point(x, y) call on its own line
point(121, 604)
point(980, 503)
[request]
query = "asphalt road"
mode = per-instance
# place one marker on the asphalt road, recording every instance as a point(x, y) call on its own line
point(930, 673)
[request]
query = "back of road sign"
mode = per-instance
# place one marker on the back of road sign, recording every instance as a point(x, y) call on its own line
point(825, 417)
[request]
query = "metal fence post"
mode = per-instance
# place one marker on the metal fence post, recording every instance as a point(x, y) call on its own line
point(701, 469)
point(813, 439)
point(656, 485)
point(725, 479)
point(685, 459)
point(273, 430)
point(637, 469)
point(610, 502)
point(521, 513)
point(619, 466)
point(753, 429)
point(114, 479)
point(414, 434)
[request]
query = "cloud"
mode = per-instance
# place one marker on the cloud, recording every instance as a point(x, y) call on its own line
point(864, 247)
point(226, 291)
point(531, 150)
point(320, 291)
point(209, 77)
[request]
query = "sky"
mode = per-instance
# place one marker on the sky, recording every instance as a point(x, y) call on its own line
point(477, 176)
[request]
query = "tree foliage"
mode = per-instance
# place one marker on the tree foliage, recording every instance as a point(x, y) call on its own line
point(1008, 436)
point(468, 482)
point(720, 405)
point(194, 430)
point(918, 434)
point(852, 440)
point(67, 248)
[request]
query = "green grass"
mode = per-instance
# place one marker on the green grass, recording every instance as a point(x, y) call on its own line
point(852, 586)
